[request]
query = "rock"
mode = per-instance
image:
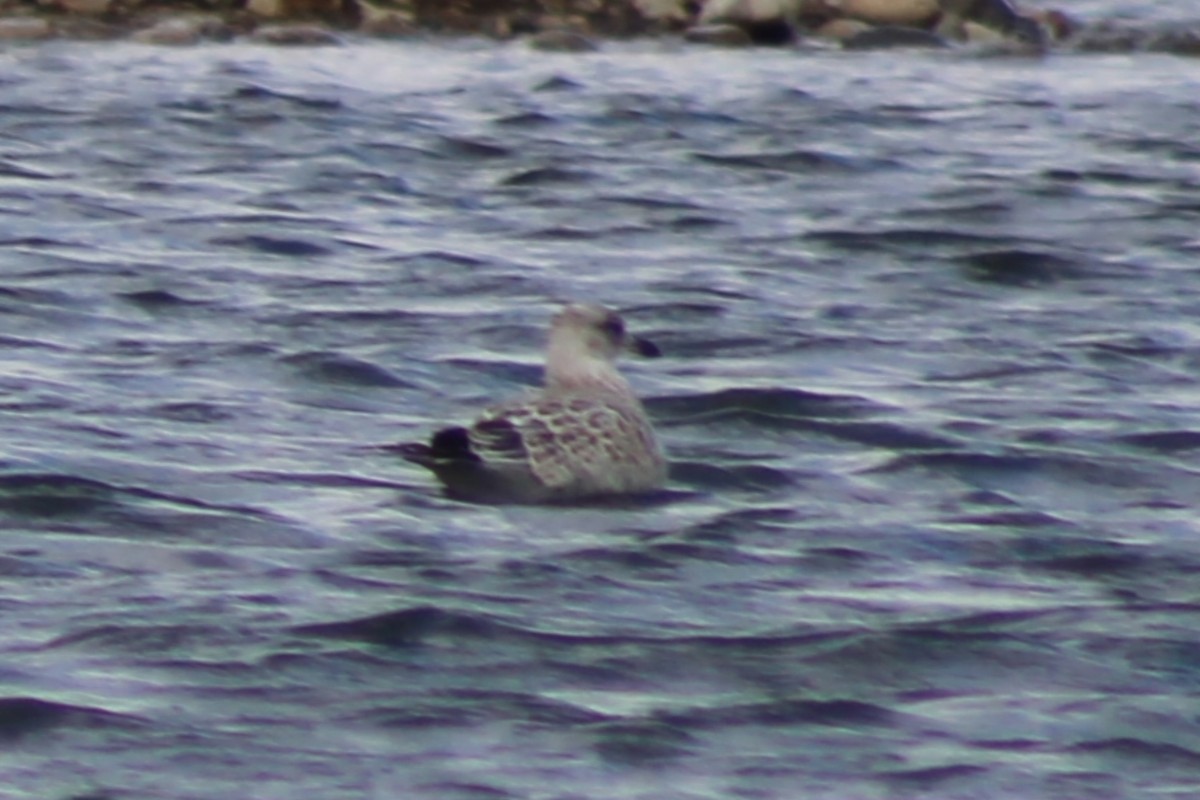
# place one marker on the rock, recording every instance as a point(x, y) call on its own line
point(990, 42)
point(1058, 25)
point(268, 9)
point(575, 23)
point(718, 35)
point(1177, 41)
point(842, 28)
point(561, 41)
point(498, 19)
point(168, 32)
point(504, 19)
point(88, 29)
point(1108, 37)
point(672, 13)
point(742, 12)
point(886, 37)
point(975, 33)
point(768, 22)
point(295, 35)
point(93, 8)
point(906, 13)
point(1028, 33)
point(385, 22)
point(25, 29)
point(996, 15)
point(636, 17)
point(291, 9)
point(184, 31)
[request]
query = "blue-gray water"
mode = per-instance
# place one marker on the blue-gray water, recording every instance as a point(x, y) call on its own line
point(930, 390)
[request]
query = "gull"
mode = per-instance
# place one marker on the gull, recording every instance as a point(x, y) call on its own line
point(584, 435)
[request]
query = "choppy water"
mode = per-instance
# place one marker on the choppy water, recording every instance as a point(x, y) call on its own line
point(931, 394)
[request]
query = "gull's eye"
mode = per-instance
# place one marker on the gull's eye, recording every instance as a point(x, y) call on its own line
point(614, 327)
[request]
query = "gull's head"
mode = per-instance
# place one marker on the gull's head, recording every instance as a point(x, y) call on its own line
point(591, 331)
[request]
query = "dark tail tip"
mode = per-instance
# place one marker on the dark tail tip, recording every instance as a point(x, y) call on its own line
point(452, 443)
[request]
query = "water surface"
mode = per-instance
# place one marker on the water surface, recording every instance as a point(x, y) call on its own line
point(929, 391)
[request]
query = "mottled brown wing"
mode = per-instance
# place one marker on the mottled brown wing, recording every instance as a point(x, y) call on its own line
point(572, 440)
point(497, 438)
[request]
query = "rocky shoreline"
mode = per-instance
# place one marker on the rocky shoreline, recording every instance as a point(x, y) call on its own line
point(580, 25)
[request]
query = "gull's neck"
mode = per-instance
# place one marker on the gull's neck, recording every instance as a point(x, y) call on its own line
point(571, 367)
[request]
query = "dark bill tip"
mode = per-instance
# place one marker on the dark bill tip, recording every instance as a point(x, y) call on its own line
point(645, 347)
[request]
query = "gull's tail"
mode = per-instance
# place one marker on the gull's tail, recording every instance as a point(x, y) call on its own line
point(448, 447)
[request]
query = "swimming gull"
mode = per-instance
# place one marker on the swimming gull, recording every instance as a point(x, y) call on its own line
point(585, 434)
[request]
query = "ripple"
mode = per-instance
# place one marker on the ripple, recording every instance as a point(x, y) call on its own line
point(544, 176)
point(932, 778)
point(729, 477)
point(405, 628)
point(1018, 267)
point(474, 148)
point(1088, 557)
point(838, 712)
point(257, 92)
point(11, 169)
point(1137, 749)
point(156, 299)
point(1163, 441)
point(195, 412)
point(788, 161)
point(475, 706)
point(274, 245)
point(139, 639)
point(339, 369)
point(23, 716)
point(771, 404)
point(50, 495)
point(558, 83)
point(642, 742)
point(926, 240)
